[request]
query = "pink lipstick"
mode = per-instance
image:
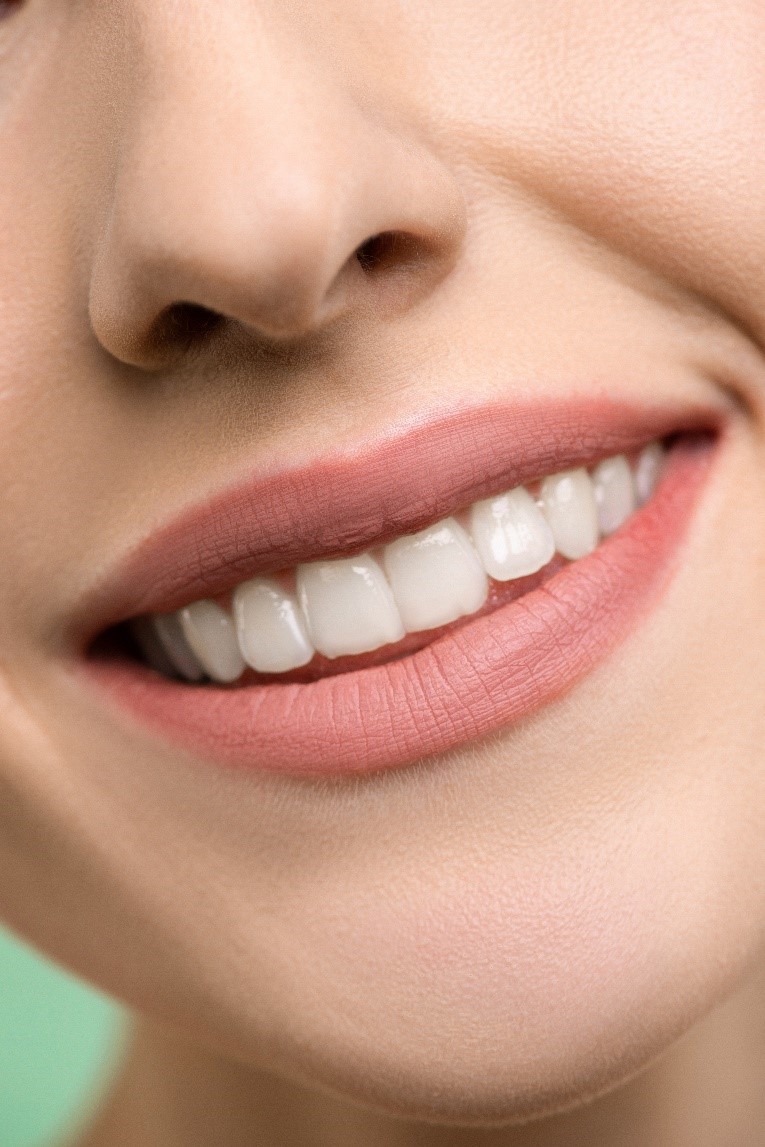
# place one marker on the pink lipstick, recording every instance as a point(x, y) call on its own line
point(439, 689)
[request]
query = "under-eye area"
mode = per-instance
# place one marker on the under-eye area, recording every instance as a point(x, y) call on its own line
point(327, 617)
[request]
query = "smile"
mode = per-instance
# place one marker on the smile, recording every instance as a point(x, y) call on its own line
point(512, 580)
point(421, 582)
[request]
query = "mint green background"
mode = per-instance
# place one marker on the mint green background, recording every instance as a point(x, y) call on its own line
point(58, 1043)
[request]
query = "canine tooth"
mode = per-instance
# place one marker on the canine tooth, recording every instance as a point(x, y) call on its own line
point(209, 631)
point(435, 576)
point(348, 606)
point(648, 471)
point(569, 506)
point(511, 534)
point(269, 627)
point(168, 629)
point(614, 493)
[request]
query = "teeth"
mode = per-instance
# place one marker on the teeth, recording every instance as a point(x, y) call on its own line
point(348, 606)
point(210, 632)
point(511, 534)
point(648, 471)
point(568, 500)
point(435, 576)
point(614, 493)
point(431, 578)
point(169, 631)
point(270, 627)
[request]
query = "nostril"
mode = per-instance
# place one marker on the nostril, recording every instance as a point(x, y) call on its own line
point(388, 250)
point(191, 321)
point(184, 324)
point(374, 251)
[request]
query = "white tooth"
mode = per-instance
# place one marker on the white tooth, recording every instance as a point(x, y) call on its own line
point(648, 471)
point(269, 627)
point(435, 576)
point(209, 631)
point(168, 628)
point(348, 606)
point(512, 535)
point(569, 506)
point(614, 493)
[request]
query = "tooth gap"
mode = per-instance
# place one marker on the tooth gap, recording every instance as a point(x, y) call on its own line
point(120, 643)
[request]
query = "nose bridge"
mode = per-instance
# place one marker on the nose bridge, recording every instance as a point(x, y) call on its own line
point(237, 103)
point(247, 177)
point(231, 161)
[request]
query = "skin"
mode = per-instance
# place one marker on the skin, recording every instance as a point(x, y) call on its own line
point(504, 933)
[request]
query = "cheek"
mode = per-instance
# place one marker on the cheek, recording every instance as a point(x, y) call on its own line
point(633, 119)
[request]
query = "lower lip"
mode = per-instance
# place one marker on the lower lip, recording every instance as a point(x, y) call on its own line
point(475, 680)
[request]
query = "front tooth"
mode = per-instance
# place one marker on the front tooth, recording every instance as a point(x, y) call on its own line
point(168, 629)
point(568, 500)
point(209, 631)
point(648, 470)
point(348, 606)
point(269, 627)
point(614, 493)
point(511, 534)
point(435, 576)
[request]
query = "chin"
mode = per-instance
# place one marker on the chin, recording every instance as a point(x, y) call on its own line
point(487, 987)
point(485, 1046)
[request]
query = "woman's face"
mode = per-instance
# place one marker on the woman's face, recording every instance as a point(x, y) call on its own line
point(502, 867)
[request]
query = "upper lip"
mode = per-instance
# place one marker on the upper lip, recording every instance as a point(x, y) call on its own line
point(368, 495)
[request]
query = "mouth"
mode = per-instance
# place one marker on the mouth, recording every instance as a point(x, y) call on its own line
point(393, 602)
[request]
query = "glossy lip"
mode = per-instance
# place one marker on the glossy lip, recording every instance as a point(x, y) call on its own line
point(476, 679)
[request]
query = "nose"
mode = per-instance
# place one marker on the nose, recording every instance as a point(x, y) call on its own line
point(253, 187)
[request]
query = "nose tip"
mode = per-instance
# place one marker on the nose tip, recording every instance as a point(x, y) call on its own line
point(278, 223)
point(166, 258)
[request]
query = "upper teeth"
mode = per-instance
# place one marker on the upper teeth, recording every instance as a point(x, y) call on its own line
point(422, 581)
